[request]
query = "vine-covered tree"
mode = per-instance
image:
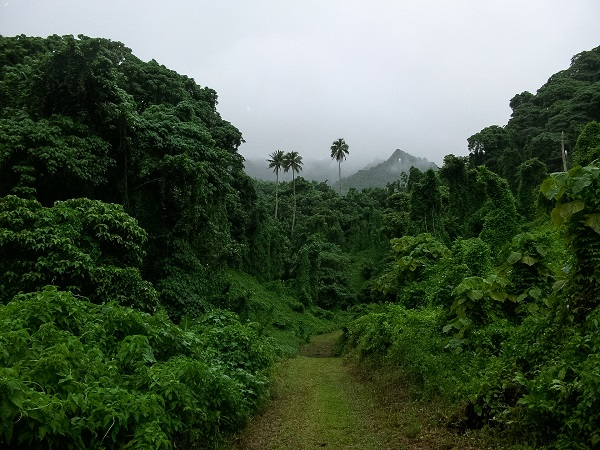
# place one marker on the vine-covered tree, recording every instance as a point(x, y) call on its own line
point(85, 117)
point(486, 146)
point(462, 195)
point(426, 203)
point(530, 175)
point(499, 212)
point(339, 150)
point(587, 149)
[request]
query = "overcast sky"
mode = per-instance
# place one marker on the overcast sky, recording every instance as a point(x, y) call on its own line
point(419, 75)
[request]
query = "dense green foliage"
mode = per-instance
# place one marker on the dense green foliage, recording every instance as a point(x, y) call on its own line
point(121, 186)
point(497, 311)
point(576, 196)
point(147, 284)
point(565, 104)
point(78, 375)
point(84, 117)
point(91, 248)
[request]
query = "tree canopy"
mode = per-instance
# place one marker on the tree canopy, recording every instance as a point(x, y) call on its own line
point(564, 104)
point(84, 117)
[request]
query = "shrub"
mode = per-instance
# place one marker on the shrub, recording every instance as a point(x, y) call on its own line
point(91, 248)
point(78, 375)
point(410, 342)
point(561, 384)
point(413, 257)
point(575, 196)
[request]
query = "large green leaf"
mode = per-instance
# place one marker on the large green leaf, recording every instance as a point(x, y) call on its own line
point(563, 212)
point(541, 249)
point(550, 188)
point(475, 294)
point(593, 221)
point(498, 295)
point(581, 181)
point(514, 257)
point(535, 292)
point(530, 261)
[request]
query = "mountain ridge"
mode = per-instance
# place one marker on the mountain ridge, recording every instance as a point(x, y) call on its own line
point(385, 172)
point(377, 173)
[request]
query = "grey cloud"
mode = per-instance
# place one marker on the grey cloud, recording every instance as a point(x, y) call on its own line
point(421, 75)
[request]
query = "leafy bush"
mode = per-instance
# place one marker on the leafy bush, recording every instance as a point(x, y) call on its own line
point(409, 341)
point(575, 196)
point(413, 256)
point(541, 381)
point(468, 257)
point(476, 301)
point(473, 253)
point(78, 375)
point(91, 248)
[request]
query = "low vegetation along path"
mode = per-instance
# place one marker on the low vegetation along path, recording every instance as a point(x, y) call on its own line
point(317, 402)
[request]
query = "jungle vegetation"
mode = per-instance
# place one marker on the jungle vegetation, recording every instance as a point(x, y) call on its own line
point(147, 284)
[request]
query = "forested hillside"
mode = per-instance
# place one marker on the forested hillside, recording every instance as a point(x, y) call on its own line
point(147, 284)
point(313, 170)
point(494, 305)
point(386, 172)
point(375, 175)
point(122, 188)
point(568, 100)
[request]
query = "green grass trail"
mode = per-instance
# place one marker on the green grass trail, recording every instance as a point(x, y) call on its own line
point(319, 402)
point(316, 404)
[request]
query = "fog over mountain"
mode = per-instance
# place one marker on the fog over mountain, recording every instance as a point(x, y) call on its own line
point(312, 169)
point(381, 174)
point(375, 174)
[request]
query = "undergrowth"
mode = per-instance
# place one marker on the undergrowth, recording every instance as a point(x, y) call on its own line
point(278, 313)
point(77, 375)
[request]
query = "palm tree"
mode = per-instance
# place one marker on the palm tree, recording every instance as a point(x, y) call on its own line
point(339, 150)
point(292, 160)
point(276, 163)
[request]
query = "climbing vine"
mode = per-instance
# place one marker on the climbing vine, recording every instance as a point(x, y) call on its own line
point(575, 197)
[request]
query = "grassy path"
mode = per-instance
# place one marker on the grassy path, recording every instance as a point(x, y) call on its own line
point(317, 402)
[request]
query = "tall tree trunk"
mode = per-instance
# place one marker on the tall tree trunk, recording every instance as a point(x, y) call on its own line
point(294, 190)
point(340, 175)
point(276, 192)
point(123, 147)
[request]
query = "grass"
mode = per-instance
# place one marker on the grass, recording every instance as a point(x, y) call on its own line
point(279, 314)
point(321, 402)
point(312, 406)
